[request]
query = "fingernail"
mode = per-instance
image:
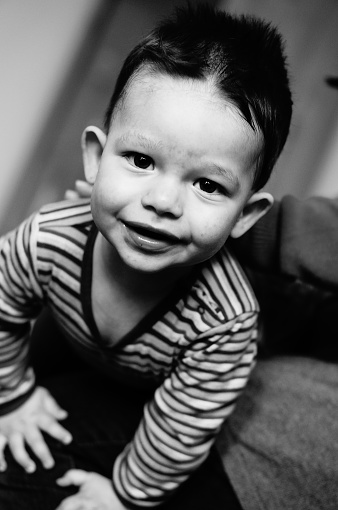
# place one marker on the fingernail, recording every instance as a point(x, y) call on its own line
point(30, 468)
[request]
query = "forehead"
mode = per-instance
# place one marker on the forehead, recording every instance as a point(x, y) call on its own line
point(147, 84)
point(186, 114)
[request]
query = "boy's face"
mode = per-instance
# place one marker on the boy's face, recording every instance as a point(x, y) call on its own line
point(175, 174)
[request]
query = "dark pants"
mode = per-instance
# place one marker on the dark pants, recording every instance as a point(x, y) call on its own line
point(103, 416)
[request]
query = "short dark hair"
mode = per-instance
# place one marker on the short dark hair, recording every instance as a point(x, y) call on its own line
point(243, 55)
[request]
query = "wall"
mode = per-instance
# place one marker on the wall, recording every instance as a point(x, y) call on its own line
point(39, 40)
point(325, 182)
point(42, 42)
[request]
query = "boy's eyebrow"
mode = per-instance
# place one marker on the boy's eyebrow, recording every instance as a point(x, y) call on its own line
point(227, 174)
point(146, 142)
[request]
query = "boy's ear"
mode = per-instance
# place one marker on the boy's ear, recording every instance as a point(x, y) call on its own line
point(92, 142)
point(258, 205)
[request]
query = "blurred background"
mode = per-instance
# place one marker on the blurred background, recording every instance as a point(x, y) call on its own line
point(59, 60)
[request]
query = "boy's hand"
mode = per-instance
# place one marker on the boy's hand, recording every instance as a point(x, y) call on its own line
point(95, 492)
point(82, 190)
point(24, 425)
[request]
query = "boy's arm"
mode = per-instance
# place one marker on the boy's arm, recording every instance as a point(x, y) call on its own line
point(24, 409)
point(297, 239)
point(20, 302)
point(181, 421)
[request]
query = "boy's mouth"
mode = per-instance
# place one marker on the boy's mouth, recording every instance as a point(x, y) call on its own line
point(152, 232)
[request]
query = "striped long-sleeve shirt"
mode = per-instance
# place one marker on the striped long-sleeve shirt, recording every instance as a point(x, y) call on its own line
point(198, 346)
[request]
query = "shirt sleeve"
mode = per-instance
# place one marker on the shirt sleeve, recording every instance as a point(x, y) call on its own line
point(181, 421)
point(20, 302)
point(297, 239)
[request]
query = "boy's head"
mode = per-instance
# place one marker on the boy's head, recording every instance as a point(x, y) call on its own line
point(241, 56)
point(199, 115)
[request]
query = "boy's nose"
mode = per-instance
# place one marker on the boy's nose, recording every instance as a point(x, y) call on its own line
point(164, 197)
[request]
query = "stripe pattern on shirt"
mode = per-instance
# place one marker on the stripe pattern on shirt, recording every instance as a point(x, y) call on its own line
point(199, 352)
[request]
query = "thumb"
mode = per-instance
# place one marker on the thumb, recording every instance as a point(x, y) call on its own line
point(73, 477)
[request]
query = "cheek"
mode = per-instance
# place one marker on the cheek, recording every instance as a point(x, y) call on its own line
point(210, 236)
point(108, 192)
point(102, 203)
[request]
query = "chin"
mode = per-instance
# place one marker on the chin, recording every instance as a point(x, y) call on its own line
point(152, 264)
point(147, 268)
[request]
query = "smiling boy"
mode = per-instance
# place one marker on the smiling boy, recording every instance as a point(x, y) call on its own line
point(170, 186)
point(141, 282)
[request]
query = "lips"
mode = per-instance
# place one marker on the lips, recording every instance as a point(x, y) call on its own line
point(150, 238)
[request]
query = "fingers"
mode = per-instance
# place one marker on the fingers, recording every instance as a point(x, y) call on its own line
point(83, 188)
point(55, 429)
point(73, 477)
point(16, 444)
point(75, 502)
point(35, 440)
point(71, 194)
point(53, 408)
point(47, 421)
point(25, 425)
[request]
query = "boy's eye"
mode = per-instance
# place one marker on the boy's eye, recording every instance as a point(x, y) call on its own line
point(139, 160)
point(208, 186)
